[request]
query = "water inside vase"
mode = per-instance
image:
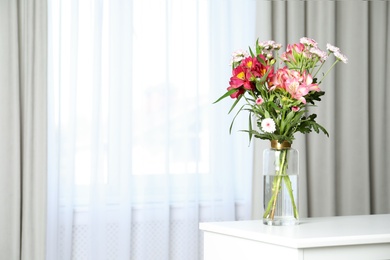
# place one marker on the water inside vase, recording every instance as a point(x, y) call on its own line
point(284, 206)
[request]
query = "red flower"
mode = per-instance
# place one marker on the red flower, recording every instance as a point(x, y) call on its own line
point(245, 74)
point(240, 78)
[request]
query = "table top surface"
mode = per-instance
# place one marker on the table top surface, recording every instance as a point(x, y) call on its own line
point(311, 232)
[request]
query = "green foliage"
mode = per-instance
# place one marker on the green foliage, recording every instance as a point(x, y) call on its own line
point(278, 95)
point(278, 107)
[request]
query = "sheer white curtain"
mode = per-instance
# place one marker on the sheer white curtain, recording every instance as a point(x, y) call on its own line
point(138, 155)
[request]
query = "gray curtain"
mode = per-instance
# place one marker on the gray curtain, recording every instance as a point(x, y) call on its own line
point(23, 51)
point(349, 172)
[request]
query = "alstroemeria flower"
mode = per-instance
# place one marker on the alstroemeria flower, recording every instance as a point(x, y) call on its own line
point(240, 79)
point(282, 76)
point(246, 73)
point(254, 69)
point(249, 64)
point(268, 125)
point(296, 90)
point(291, 51)
point(296, 84)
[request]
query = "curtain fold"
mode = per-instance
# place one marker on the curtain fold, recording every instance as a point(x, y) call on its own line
point(23, 129)
point(138, 154)
point(347, 173)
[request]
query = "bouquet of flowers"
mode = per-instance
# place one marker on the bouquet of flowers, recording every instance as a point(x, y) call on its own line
point(277, 91)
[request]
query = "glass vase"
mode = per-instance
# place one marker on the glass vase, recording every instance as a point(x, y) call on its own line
point(280, 173)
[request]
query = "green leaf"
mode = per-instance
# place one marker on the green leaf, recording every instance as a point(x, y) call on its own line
point(308, 124)
point(235, 103)
point(314, 96)
point(234, 118)
point(266, 114)
point(258, 49)
point(282, 126)
point(233, 90)
point(250, 127)
point(251, 52)
point(323, 129)
point(290, 115)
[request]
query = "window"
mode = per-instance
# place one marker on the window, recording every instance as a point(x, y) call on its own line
point(135, 139)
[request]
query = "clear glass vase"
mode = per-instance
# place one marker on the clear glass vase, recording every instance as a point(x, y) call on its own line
point(280, 173)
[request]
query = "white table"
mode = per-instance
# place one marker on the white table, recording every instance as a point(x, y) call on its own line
point(347, 238)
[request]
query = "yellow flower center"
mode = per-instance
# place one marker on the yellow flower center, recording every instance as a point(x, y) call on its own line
point(241, 75)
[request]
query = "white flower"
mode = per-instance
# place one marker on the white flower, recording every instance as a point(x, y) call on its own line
point(321, 54)
point(341, 57)
point(276, 46)
point(267, 53)
point(332, 48)
point(308, 42)
point(238, 56)
point(268, 125)
point(269, 45)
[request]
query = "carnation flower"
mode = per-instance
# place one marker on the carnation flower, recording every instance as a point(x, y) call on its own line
point(268, 125)
point(332, 48)
point(321, 54)
point(267, 44)
point(341, 56)
point(276, 46)
point(259, 100)
point(238, 56)
point(295, 108)
point(308, 42)
point(267, 47)
point(267, 53)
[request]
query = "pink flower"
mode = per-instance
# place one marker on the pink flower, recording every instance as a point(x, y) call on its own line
point(296, 90)
point(297, 47)
point(295, 83)
point(295, 108)
point(292, 50)
point(259, 100)
point(268, 125)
